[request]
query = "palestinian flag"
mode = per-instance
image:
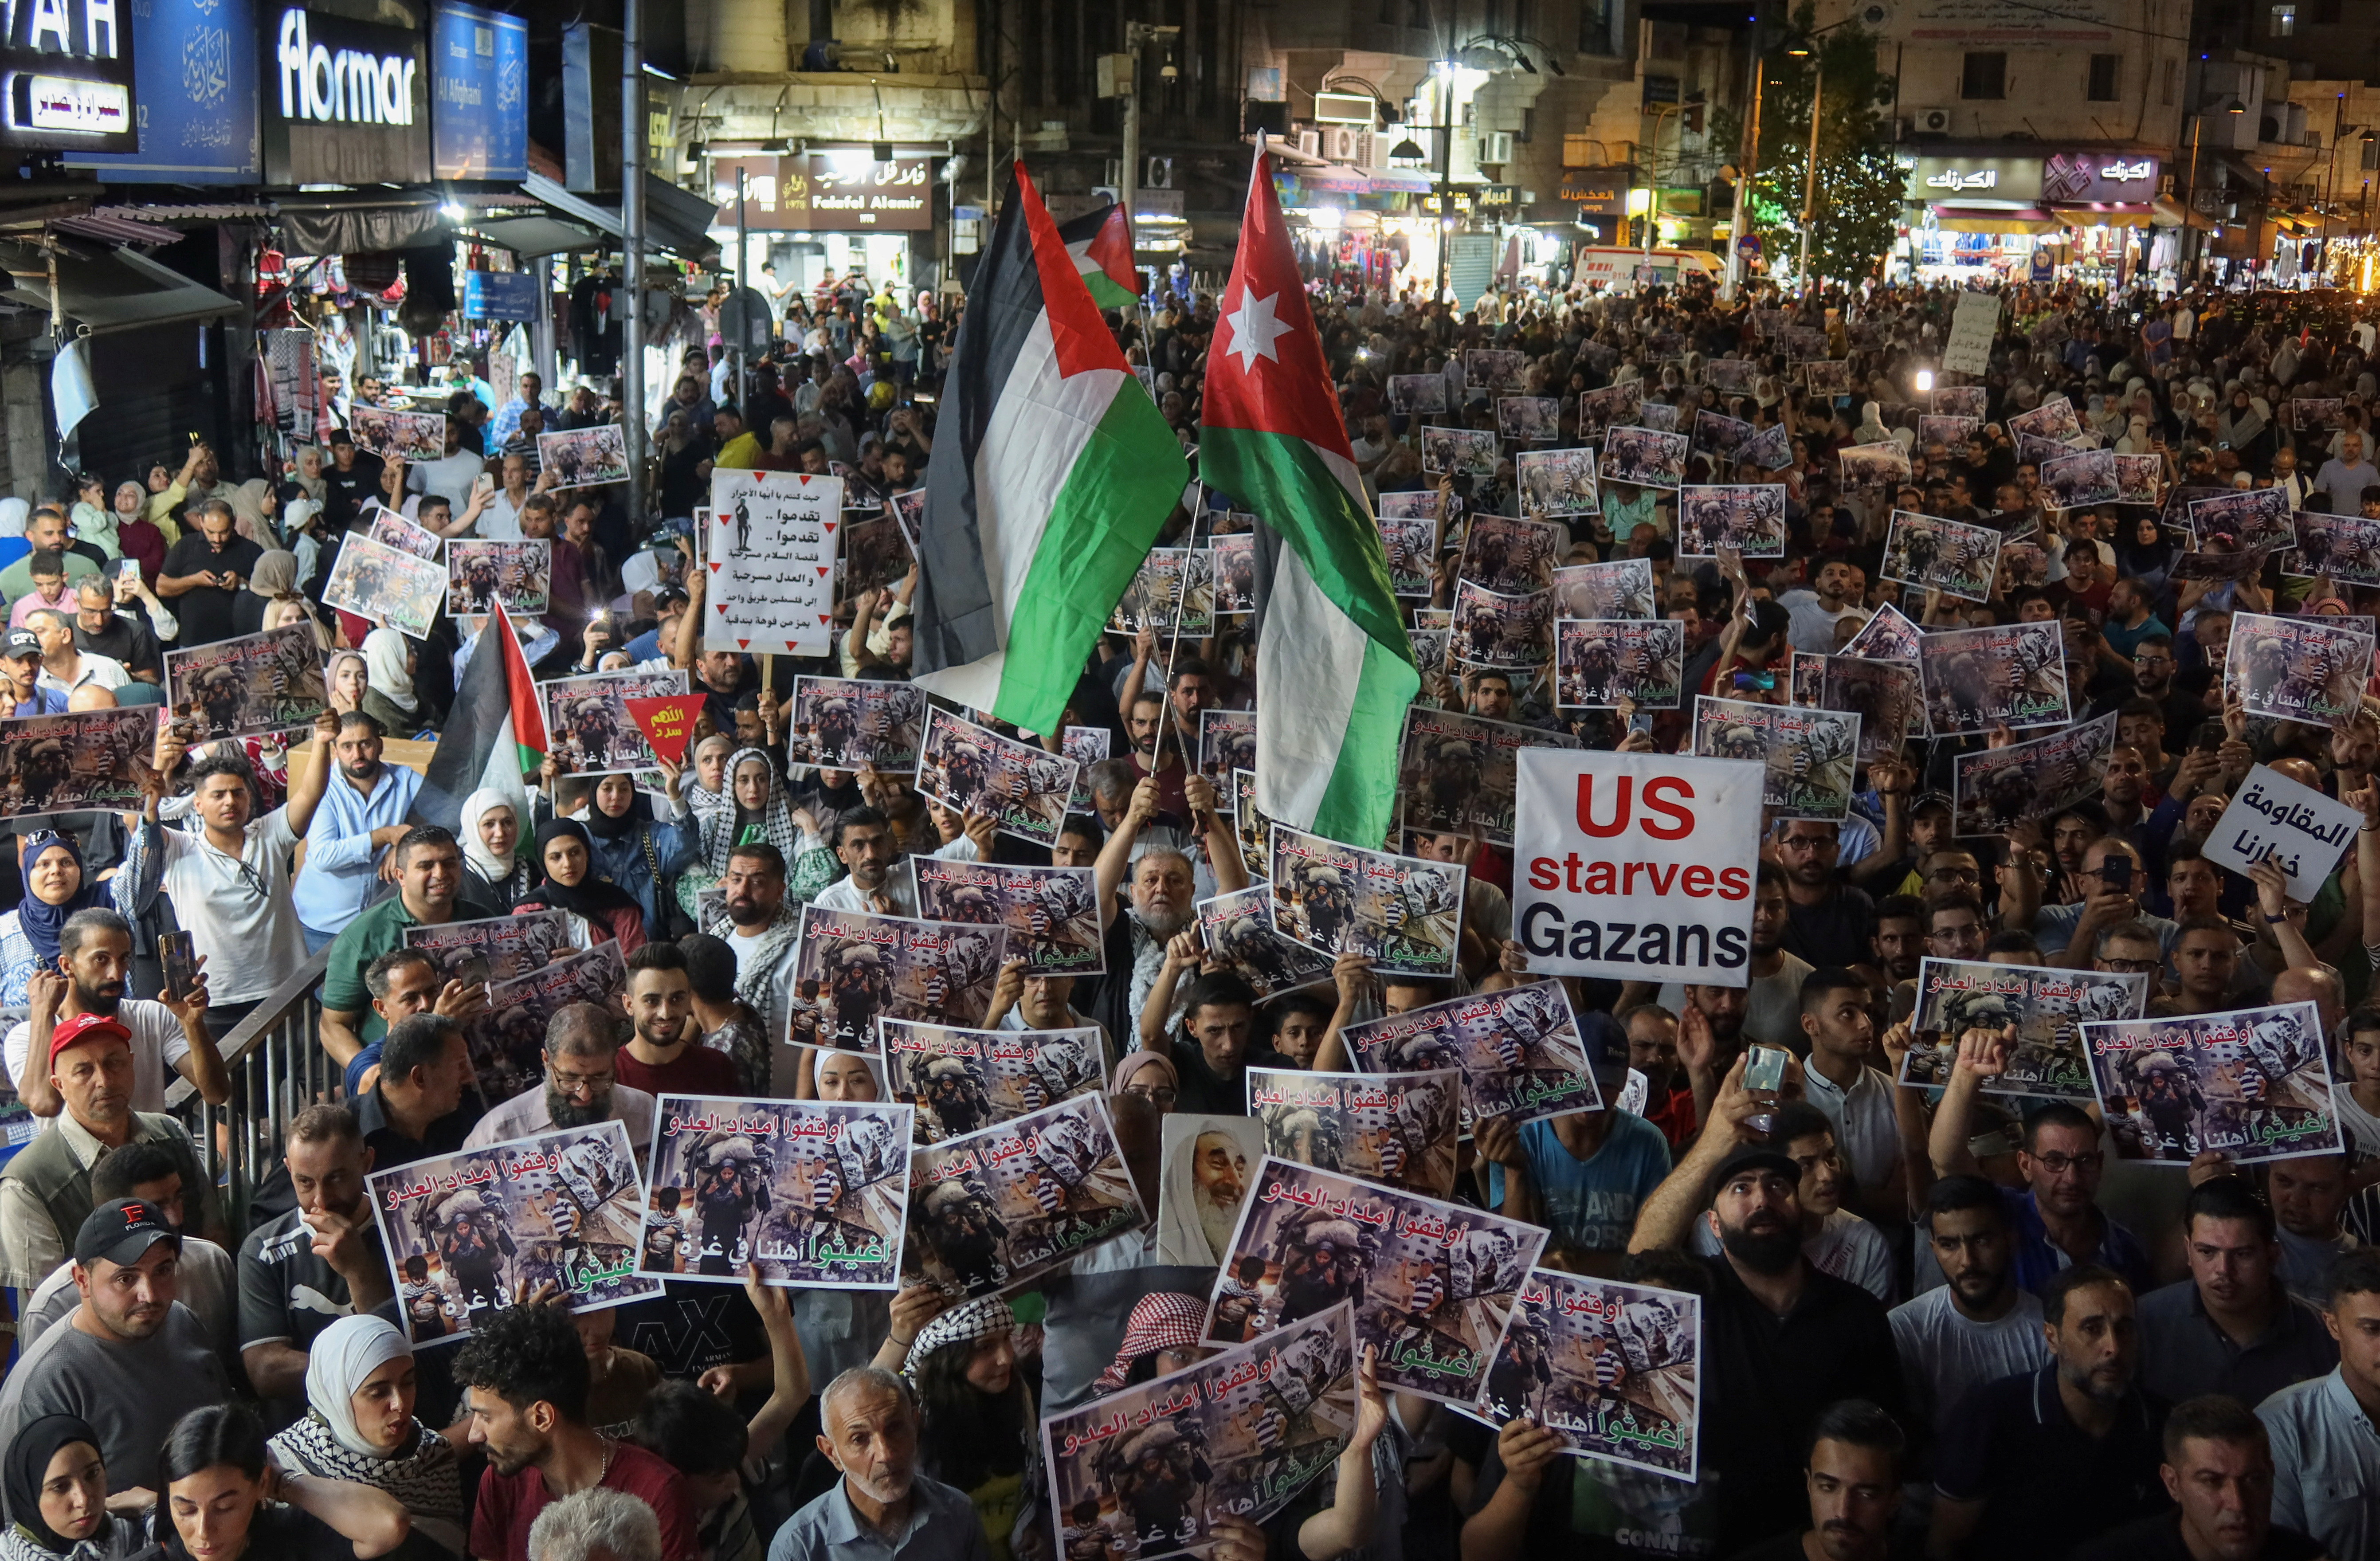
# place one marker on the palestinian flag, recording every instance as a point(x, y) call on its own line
point(1102, 247)
point(1053, 472)
point(495, 734)
point(1334, 668)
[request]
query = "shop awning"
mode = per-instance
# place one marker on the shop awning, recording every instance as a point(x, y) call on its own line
point(115, 289)
point(2170, 213)
point(2021, 219)
point(2103, 215)
point(535, 238)
point(676, 221)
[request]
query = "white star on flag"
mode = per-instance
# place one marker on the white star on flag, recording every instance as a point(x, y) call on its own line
point(1254, 329)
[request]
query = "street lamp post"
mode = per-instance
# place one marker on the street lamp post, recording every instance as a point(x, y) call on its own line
point(1445, 171)
point(1810, 178)
point(1746, 171)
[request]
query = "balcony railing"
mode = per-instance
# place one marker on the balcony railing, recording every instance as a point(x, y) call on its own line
point(278, 1068)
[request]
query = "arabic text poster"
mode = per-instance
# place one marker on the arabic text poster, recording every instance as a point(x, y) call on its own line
point(808, 1194)
point(993, 1208)
point(2303, 830)
point(771, 560)
point(1615, 1369)
point(2252, 1084)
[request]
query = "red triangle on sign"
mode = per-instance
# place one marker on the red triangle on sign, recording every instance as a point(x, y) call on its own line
point(723, 608)
point(830, 528)
point(823, 617)
point(823, 570)
point(743, 644)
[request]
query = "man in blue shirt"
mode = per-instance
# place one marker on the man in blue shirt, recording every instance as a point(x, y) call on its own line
point(1582, 1177)
point(20, 670)
point(884, 1509)
point(506, 421)
point(362, 813)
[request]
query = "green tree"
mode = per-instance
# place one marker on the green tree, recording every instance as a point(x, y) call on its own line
point(1858, 197)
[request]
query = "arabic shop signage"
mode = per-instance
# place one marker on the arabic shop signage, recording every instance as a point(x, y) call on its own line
point(2086, 176)
point(1955, 181)
point(345, 102)
point(826, 193)
point(198, 120)
point(1597, 193)
point(479, 83)
point(66, 76)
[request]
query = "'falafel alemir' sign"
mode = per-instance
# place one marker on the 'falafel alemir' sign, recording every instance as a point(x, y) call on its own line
point(1637, 866)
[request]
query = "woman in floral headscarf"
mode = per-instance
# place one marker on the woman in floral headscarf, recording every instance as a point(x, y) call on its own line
point(976, 1432)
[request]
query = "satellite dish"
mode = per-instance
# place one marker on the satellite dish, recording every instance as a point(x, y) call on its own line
point(1876, 15)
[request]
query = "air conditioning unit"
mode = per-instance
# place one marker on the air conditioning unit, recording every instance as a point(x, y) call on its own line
point(1310, 142)
point(1495, 148)
point(1346, 144)
point(1159, 175)
point(1932, 121)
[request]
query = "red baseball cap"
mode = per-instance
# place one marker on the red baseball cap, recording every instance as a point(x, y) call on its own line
point(76, 1028)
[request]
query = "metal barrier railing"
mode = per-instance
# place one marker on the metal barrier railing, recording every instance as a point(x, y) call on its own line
point(278, 1068)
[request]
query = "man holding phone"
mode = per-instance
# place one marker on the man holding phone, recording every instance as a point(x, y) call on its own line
point(2108, 879)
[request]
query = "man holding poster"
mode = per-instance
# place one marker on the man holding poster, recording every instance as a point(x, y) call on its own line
point(1637, 866)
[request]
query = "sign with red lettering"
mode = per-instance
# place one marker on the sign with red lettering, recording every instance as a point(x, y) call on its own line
point(1637, 866)
point(667, 722)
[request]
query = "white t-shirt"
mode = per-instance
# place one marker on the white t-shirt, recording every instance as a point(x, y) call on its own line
point(2362, 1128)
point(1772, 1014)
point(526, 1114)
point(500, 521)
point(251, 941)
point(1943, 1352)
point(450, 475)
point(1846, 1246)
point(158, 1046)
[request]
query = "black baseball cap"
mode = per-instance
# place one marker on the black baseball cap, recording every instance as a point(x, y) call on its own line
point(122, 1231)
point(1755, 1158)
point(670, 595)
point(22, 642)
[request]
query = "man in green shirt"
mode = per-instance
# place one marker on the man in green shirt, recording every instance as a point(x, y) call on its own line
point(429, 882)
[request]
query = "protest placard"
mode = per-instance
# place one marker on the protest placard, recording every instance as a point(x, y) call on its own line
point(2303, 830)
point(2250, 1084)
point(2299, 669)
point(513, 945)
point(1557, 482)
point(1994, 789)
point(2011, 675)
point(1491, 629)
point(855, 967)
point(1236, 929)
point(965, 1081)
point(2045, 1006)
point(1456, 772)
point(95, 759)
point(971, 769)
point(667, 721)
point(1519, 1050)
point(391, 529)
point(411, 437)
point(585, 458)
point(1924, 551)
point(480, 573)
point(1600, 662)
point(587, 721)
point(392, 588)
point(1227, 741)
point(1510, 557)
point(1747, 516)
point(507, 1040)
point(842, 722)
point(771, 555)
point(1403, 914)
point(1399, 1130)
point(989, 1211)
point(1052, 913)
point(1885, 695)
point(1615, 1370)
point(806, 1194)
point(1622, 589)
point(258, 683)
point(1810, 754)
point(1973, 322)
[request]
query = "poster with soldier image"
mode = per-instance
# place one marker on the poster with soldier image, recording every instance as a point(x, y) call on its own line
point(1471, 451)
point(1085, 746)
point(1769, 449)
point(1885, 695)
point(392, 588)
point(2040, 452)
point(908, 510)
point(1622, 589)
point(1599, 663)
point(1197, 619)
point(1052, 913)
point(965, 1081)
point(1249, 822)
point(1021, 786)
point(2221, 563)
point(1810, 754)
point(991, 1210)
point(2011, 675)
point(1995, 789)
point(1923, 550)
point(391, 529)
point(547, 1219)
point(480, 573)
point(2047, 1007)
point(1402, 913)
point(2345, 548)
point(1661, 417)
point(842, 722)
point(96, 759)
point(1457, 774)
point(1408, 523)
point(1510, 557)
point(804, 1194)
point(2054, 418)
point(1962, 400)
point(1748, 517)
point(2139, 478)
point(1887, 636)
point(1613, 406)
point(1432, 1283)
point(1828, 376)
point(1933, 428)
point(1432, 648)
point(587, 719)
point(1237, 929)
point(1144, 1472)
point(855, 967)
point(1557, 482)
point(1412, 394)
point(875, 554)
point(2079, 480)
point(2307, 670)
point(409, 436)
point(2317, 414)
point(1519, 1051)
point(1734, 375)
point(1718, 436)
point(1866, 467)
point(1153, 599)
point(513, 945)
point(1648, 458)
point(1496, 370)
point(2251, 1085)
point(507, 1040)
point(1529, 420)
point(1232, 565)
point(1227, 741)
point(1614, 1368)
point(585, 458)
point(2244, 521)
point(1395, 1129)
point(258, 683)
point(1493, 629)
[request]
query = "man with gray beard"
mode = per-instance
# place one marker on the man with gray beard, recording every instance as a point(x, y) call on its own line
point(1163, 898)
point(580, 1086)
point(869, 1422)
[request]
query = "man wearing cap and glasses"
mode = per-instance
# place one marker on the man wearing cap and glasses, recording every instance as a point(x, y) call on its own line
point(131, 1360)
point(20, 672)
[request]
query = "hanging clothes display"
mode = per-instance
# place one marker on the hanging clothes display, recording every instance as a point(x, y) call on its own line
point(595, 326)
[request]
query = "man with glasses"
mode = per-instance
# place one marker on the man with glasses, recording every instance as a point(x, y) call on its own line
point(2131, 948)
point(2153, 665)
point(2069, 934)
point(229, 878)
point(580, 1088)
point(2056, 1221)
point(1954, 927)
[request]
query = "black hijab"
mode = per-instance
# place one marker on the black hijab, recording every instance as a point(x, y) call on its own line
point(592, 897)
point(28, 1465)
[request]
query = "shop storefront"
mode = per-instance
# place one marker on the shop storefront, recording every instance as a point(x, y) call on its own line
point(820, 212)
point(2074, 213)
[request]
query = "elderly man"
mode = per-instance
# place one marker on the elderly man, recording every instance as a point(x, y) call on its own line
point(64, 666)
point(581, 1052)
point(1163, 888)
point(597, 1525)
point(881, 1507)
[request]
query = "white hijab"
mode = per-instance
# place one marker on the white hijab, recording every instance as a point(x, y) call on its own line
point(384, 668)
point(477, 806)
point(13, 513)
point(342, 1356)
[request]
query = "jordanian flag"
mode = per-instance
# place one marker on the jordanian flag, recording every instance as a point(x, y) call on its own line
point(1102, 247)
point(495, 733)
point(1334, 668)
point(1053, 471)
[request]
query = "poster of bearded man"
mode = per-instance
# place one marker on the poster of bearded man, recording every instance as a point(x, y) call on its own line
point(1458, 771)
point(855, 966)
point(1395, 1129)
point(481, 573)
point(96, 759)
point(1144, 1472)
point(592, 732)
point(2300, 669)
point(1432, 1283)
point(806, 1194)
point(1204, 1167)
point(1519, 1051)
point(994, 1210)
point(258, 683)
point(842, 722)
point(1615, 1370)
point(965, 1081)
